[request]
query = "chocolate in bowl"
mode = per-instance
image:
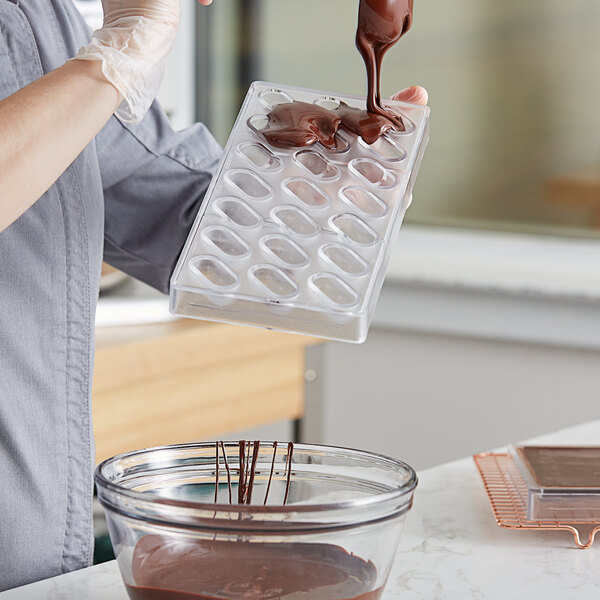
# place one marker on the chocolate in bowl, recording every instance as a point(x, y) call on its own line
point(335, 539)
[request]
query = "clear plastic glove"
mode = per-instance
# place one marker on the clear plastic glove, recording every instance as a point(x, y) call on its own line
point(133, 44)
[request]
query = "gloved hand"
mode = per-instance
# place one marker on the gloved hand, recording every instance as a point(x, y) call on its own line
point(132, 44)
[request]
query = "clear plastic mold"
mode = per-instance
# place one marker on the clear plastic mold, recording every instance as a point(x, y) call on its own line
point(299, 239)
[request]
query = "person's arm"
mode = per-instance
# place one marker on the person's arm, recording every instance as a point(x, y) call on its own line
point(44, 126)
point(154, 181)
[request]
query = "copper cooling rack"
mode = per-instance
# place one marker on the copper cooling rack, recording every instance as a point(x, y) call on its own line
point(507, 492)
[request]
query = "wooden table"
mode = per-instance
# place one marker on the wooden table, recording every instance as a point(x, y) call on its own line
point(189, 380)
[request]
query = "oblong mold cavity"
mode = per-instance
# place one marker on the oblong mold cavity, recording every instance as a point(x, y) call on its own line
point(275, 281)
point(327, 102)
point(296, 220)
point(316, 164)
point(258, 122)
point(366, 202)
point(287, 251)
point(371, 172)
point(238, 212)
point(342, 144)
point(249, 184)
point(307, 192)
point(259, 156)
point(273, 97)
point(409, 126)
point(345, 259)
point(355, 229)
point(386, 149)
point(227, 241)
point(334, 289)
point(214, 272)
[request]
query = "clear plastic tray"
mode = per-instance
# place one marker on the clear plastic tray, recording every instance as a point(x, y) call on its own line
point(299, 240)
point(563, 482)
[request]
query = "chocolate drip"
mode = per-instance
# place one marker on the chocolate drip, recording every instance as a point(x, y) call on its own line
point(381, 23)
point(271, 473)
point(242, 472)
point(248, 459)
point(228, 471)
point(217, 468)
point(255, 450)
point(288, 468)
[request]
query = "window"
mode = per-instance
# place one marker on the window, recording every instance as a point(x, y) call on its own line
point(514, 87)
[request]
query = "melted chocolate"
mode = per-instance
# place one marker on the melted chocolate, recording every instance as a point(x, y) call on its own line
point(272, 470)
point(367, 125)
point(296, 124)
point(167, 568)
point(381, 23)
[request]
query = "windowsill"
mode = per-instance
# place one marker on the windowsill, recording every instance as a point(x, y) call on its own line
point(494, 286)
point(500, 262)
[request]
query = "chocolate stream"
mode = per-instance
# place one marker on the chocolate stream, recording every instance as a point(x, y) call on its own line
point(381, 23)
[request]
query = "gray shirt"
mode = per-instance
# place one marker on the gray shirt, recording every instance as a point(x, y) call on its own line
point(132, 194)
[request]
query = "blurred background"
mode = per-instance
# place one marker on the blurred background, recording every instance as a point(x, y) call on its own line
point(488, 328)
point(514, 88)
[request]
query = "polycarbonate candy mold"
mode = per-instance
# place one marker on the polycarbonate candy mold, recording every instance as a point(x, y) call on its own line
point(299, 240)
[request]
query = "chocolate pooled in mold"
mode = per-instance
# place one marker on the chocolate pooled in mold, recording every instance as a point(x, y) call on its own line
point(381, 23)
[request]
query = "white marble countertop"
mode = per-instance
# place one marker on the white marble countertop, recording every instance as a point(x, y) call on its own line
point(451, 549)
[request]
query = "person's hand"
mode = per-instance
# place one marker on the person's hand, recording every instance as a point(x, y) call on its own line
point(414, 95)
point(132, 44)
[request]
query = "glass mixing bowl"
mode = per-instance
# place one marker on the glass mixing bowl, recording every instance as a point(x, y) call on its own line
point(334, 539)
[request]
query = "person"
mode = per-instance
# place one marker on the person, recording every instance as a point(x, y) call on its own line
point(77, 183)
